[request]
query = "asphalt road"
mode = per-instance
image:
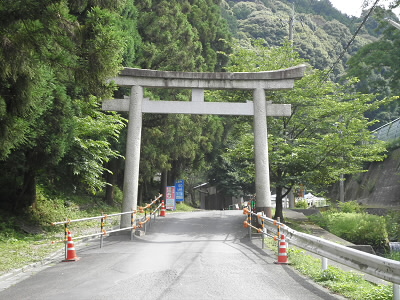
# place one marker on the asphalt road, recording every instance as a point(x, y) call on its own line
point(198, 255)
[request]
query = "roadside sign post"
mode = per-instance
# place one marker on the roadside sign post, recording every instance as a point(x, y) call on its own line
point(170, 198)
point(180, 190)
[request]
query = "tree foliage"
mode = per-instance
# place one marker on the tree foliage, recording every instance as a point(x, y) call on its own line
point(377, 67)
point(179, 36)
point(182, 35)
point(320, 32)
point(326, 135)
point(54, 56)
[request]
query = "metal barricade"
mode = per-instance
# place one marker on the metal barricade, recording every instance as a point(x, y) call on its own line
point(149, 210)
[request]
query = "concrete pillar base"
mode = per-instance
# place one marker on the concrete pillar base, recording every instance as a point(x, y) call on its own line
point(267, 211)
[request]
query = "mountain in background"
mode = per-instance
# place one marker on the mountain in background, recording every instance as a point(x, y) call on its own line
point(320, 31)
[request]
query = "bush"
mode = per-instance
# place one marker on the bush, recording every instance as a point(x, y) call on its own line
point(331, 274)
point(393, 255)
point(54, 207)
point(301, 204)
point(350, 207)
point(393, 225)
point(358, 228)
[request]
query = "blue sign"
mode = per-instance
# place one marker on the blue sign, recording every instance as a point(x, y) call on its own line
point(180, 190)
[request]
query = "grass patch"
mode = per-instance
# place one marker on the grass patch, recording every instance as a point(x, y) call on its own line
point(19, 253)
point(19, 249)
point(393, 255)
point(27, 238)
point(184, 207)
point(349, 284)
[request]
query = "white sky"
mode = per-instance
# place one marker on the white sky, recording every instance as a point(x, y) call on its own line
point(354, 7)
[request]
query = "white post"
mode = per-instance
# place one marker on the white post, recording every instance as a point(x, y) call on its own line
point(291, 199)
point(324, 261)
point(396, 292)
point(132, 159)
point(263, 193)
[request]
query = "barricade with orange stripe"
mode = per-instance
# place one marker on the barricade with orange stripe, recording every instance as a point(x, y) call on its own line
point(282, 245)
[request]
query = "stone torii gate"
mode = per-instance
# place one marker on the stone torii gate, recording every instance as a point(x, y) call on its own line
point(259, 82)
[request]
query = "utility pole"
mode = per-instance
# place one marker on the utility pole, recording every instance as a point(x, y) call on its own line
point(292, 19)
point(341, 188)
point(341, 182)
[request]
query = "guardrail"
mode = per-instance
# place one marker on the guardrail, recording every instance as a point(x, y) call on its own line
point(389, 131)
point(374, 265)
point(137, 222)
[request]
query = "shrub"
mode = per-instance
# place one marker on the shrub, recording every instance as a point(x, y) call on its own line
point(331, 274)
point(301, 204)
point(350, 207)
point(393, 225)
point(393, 255)
point(359, 228)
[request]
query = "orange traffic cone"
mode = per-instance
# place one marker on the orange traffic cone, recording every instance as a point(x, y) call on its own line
point(71, 253)
point(163, 211)
point(282, 251)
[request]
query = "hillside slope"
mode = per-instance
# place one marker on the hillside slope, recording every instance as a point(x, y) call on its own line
point(379, 187)
point(320, 32)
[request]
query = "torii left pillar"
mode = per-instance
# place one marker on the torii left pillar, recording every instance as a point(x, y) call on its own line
point(258, 82)
point(132, 161)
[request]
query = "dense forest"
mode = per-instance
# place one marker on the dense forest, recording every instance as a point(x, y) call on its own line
point(56, 57)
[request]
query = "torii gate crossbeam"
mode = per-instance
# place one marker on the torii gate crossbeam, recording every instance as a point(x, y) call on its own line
point(259, 82)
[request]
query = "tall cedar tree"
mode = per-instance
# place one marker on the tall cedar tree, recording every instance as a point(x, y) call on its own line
point(53, 56)
point(179, 36)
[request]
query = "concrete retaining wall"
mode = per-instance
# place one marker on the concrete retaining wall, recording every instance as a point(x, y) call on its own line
point(380, 186)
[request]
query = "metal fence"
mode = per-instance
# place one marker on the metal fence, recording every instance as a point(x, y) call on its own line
point(140, 219)
point(389, 131)
point(374, 265)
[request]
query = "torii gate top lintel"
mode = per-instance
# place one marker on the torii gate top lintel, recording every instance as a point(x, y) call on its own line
point(277, 79)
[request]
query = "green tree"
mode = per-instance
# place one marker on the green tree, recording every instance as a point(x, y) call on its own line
point(206, 18)
point(326, 135)
point(180, 36)
point(55, 55)
point(224, 172)
point(169, 40)
point(377, 67)
point(83, 166)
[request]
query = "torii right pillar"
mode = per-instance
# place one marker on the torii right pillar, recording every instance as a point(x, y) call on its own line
point(263, 189)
